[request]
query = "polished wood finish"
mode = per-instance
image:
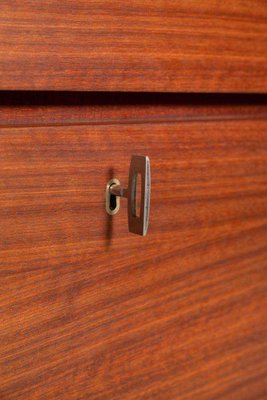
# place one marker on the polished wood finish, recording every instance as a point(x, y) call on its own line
point(152, 45)
point(90, 311)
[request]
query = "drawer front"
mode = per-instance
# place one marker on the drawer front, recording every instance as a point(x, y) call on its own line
point(104, 45)
point(90, 311)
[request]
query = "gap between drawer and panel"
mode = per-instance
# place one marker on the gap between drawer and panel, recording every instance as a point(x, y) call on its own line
point(33, 109)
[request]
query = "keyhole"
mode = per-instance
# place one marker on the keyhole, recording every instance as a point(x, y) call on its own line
point(112, 201)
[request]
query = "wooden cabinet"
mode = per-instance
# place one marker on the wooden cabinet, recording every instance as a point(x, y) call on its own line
point(89, 310)
point(149, 45)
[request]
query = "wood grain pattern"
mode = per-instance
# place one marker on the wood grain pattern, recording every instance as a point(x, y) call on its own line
point(89, 311)
point(152, 45)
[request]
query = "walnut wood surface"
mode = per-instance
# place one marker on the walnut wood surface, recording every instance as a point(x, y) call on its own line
point(152, 45)
point(90, 311)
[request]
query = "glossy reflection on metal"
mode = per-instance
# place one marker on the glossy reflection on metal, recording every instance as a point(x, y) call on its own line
point(140, 165)
point(112, 200)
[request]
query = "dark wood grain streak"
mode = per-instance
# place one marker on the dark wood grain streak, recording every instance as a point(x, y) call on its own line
point(152, 45)
point(89, 311)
